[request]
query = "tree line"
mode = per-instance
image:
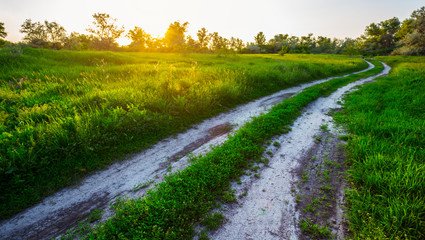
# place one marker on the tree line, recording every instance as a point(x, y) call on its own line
point(384, 38)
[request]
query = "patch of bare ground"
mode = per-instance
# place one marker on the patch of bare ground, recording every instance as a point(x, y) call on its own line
point(320, 188)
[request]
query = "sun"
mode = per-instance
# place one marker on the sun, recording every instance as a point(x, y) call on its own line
point(123, 41)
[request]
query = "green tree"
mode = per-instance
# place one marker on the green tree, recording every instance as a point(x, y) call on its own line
point(55, 32)
point(277, 42)
point(414, 42)
point(139, 39)
point(105, 30)
point(349, 47)
point(215, 41)
point(219, 44)
point(284, 50)
point(3, 34)
point(381, 38)
point(236, 44)
point(260, 39)
point(76, 41)
point(35, 33)
point(49, 34)
point(203, 38)
point(175, 36)
point(406, 28)
point(192, 44)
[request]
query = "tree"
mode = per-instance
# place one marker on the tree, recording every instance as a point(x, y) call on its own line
point(277, 42)
point(175, 36)
point(349, 47)
point(203, 38)
point(260, 39)
point(106, 31)
point(3, 34)
point(323, 45)
point(192, 45)
point(35, 32)
point(284, 50)
point(49, 34)
point(406, 28)
point(215, 41)
point(140, 39)
point(414, 41)
point(380, 38)
point(236, 44)
point(76, 41)
point(55, 32)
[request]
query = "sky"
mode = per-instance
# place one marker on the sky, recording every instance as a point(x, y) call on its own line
point(230, 18)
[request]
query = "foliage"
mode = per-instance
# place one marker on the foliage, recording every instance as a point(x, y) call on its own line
point(260, 39)
point(213, 221)
point(386, 152)
point(64, 114)
point(105, 30)
point(380, 38)
point(203, 38)
point(48, 35)
point(284, 50)
point(386, 37)
point(3, 34)
point(413, 42)
point(140, 39)
point(175, 36)
point(76, 41)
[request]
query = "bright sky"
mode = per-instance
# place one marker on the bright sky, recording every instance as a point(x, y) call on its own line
point(237, 18)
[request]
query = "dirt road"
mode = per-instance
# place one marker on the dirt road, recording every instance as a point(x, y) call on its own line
point(57, 213)
point(273, 205)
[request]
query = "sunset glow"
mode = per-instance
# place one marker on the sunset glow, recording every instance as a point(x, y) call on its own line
point(238, 18)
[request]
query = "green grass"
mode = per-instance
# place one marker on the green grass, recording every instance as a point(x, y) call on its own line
point(64, 114)
point(386, 153)
point(213, 221)
point(172, 209)
point(321, 232)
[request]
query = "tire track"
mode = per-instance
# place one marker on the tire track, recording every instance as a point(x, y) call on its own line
point(268, 209)
point(54, 215)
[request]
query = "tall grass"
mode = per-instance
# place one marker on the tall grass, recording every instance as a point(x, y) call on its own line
point(64, 114)
point(387, 154)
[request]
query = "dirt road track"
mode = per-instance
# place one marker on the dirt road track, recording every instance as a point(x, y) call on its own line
point(269, 210)
point(57, 213)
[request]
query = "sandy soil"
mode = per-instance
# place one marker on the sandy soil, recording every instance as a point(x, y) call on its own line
point(269, 208)
point(59, 212)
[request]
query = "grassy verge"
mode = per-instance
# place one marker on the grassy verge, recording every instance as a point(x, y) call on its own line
point(386, 153)
point(64, 114)
point(171, 210)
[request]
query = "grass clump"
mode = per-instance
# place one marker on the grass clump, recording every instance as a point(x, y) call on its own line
point(213, 221)
point(142, 185)
point(315, 230)
point(386, 153)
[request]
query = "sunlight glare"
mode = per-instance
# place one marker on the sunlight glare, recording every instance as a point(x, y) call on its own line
point(123, 41)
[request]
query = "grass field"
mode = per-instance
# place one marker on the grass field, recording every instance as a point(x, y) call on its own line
point(172, 209)
point(387, 153)
point(64, 114)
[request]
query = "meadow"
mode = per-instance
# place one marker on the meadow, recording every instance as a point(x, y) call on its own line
point(184, 199)
point(64, 114)
point(386, 152)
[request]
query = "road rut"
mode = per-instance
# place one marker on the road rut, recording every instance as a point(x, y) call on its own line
point(59, 212)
